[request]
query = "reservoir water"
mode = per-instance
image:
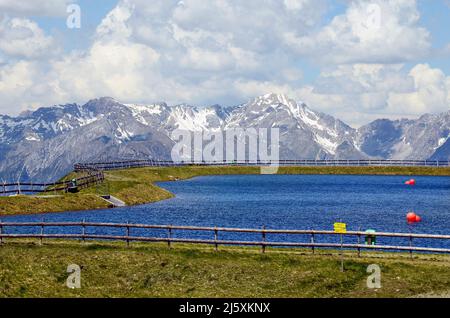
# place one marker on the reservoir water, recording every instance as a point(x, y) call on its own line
point(284, 202)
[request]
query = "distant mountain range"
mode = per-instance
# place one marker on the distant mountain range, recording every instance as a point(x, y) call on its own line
point(44, 144)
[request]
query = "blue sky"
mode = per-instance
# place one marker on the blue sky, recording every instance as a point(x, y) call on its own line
point(436, 18)
point(355, 59)
point(93, 12)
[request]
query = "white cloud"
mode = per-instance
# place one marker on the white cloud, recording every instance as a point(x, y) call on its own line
point(431, 92)
point(114, 25)
point(191, 51)
point(35, 8)
point(120, 69)
point(363, 92)
point(19, 88)
point(377, 31)
point(224, 51)
point(23, 38)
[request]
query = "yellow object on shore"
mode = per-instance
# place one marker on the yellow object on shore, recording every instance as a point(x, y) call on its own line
point(340, 228)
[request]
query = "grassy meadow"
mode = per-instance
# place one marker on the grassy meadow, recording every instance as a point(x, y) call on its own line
point(153, 270)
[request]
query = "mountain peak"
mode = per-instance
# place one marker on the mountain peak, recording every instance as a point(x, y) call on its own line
point(102, 105)
point(278, 102)
point(104, 99)
point(276, 98)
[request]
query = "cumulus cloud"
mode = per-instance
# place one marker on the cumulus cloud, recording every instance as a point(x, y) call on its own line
point(378, 31)
point(226, 51)
point(431, 92)
point(19, 88)
point(24, 38)
point(363, 92)
point(182, 51)
point(120, 69)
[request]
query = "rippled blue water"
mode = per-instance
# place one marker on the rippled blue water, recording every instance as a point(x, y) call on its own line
point(286, 202)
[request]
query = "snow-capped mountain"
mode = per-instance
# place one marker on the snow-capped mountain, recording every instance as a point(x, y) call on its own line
point(45, 144)
point(304, 133)
point(424, 138)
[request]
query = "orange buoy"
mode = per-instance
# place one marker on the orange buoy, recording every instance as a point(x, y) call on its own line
point(411, 217)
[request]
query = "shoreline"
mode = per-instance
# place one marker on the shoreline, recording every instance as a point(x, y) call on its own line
point(137, 186)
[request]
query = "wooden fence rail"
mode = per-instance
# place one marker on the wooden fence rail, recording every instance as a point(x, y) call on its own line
point(95, 170)
point(93, 177)
point(215, 231)
point(165, 163)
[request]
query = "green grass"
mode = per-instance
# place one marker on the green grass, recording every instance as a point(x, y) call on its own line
point(136, 186)
point(152, 270)
point(29, 204)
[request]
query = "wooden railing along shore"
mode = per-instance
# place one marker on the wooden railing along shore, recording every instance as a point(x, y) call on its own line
point(126, 164)
point(94, 171)
point(215, 240)
point(91, 177)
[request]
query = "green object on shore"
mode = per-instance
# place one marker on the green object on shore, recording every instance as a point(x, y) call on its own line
point(73, 188)
point(371, 238)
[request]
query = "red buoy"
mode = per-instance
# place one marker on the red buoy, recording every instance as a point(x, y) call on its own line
point(411, 182)
point(411, 217)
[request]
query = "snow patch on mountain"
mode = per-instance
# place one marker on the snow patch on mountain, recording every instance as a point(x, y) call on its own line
point(141, 112)
point(49, 140)
point(442, 141)
point(195, 119)
point(327, 144)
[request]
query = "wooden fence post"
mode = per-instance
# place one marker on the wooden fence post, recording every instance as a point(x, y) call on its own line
point(263, 245)
point(1, 232)
point(342, 253)
point(410, 245)
point(359, 242)
point(216, 234)
point(312, 242)
point(84, 230)
point(128, 233)
point(169, 235)
point(42, 232)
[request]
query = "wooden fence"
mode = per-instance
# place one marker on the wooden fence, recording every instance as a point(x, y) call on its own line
point(341, 163)
point(92, 177)
point(95, 170)
point(169, 230)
